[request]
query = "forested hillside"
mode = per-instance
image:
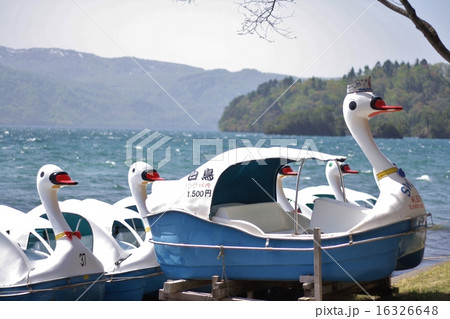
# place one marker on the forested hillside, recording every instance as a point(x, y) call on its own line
point(314, 106)
point(54, 87)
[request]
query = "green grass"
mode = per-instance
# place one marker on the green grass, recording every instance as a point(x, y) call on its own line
point(430, 284)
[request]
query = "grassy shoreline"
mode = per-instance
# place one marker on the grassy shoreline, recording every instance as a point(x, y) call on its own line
point(431, 283)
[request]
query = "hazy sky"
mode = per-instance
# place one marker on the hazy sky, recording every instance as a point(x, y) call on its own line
point(205, 34)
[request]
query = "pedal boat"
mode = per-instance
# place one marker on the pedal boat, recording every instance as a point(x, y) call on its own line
point(226, 218)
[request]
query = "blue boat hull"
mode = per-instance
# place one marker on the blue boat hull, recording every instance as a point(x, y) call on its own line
point(154, 281)
point(412, 245)
point(133, 285)
point(67, 289)
point(192, 248)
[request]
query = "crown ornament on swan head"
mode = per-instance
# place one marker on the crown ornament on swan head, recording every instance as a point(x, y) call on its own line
point(362, 85)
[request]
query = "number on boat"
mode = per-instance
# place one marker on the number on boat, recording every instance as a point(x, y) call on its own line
point(82, 259)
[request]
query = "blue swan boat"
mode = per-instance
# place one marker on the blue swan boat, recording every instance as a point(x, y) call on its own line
point(227, 218)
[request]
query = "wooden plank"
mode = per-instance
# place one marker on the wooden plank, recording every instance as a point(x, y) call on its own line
point(336, 290)
point(306, 299)
point(223, 289)
point(305, 279)
point(184, 296)
point(172, 286)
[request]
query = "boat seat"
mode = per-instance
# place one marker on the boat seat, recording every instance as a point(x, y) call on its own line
point(336, 216)
point(241, 224)
point(215, 208)
point(269, 217)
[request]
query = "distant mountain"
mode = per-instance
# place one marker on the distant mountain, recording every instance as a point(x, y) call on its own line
point(54, 87)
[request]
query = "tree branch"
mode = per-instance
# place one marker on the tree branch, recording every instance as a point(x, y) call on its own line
point(423, 26)
point(261, 17)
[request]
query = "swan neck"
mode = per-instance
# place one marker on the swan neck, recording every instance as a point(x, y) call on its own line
point(49, 200)
point(360, 131)
point(139, 194)
point(281, 197)
point(335, 184)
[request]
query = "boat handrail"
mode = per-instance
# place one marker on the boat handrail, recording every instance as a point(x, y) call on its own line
point(296, 206)
point(341, 180)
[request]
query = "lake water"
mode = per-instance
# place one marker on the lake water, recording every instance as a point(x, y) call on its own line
point(98, 160)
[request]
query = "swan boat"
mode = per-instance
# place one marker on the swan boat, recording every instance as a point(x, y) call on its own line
point(118, 238)
point(335, 189)
point(140, 175)
point(225, 219)
point(37, 268)
point(28, 232)
point(114, 237)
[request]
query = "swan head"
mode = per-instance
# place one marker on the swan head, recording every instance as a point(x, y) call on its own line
point(141, 173)
point(334, 177)
point(286, 171)
point(331, 169)
point(51, 177)
point(360, 102)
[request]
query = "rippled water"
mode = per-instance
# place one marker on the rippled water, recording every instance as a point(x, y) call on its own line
point(98, 159)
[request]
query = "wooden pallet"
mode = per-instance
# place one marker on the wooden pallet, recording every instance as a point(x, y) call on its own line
point(339, 290)
point(243, 290)
point(188, 290)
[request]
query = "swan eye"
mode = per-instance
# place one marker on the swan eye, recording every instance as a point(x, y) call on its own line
point(42, 174)
point(352, 105)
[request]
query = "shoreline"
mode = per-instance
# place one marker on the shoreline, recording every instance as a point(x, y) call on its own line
point(418, 271)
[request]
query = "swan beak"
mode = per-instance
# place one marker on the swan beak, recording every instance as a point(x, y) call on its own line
point(151, 176)
point(380, 106)
point(347, 170)
point(62, 179)
point(288, 171)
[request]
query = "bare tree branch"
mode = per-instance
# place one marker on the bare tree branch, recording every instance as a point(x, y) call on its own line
point(423, 26)
point(263, 16)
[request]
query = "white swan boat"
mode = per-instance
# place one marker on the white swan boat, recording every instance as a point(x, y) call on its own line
point(141, 174)
point(335, 189)
point(117, 237)
point(63, 268)
point(114, 237)
point(28, 232)
point(225, 218)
